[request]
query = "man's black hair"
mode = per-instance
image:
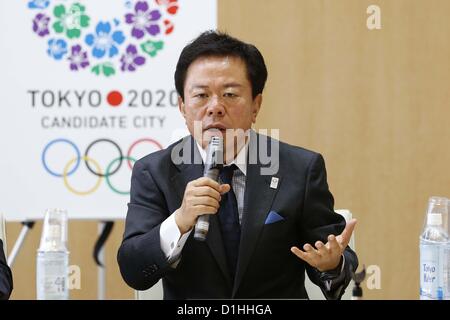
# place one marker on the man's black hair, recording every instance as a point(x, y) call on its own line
point(214, 43)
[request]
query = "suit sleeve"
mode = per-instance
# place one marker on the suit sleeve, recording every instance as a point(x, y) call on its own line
point(140, 257)
point(320, 220)
point(6, 281)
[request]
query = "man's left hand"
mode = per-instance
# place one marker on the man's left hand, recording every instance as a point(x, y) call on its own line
point(326, 257)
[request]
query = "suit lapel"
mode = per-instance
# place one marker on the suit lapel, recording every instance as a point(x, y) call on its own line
point(188, 172)
point(188, 169)
point(258, 200)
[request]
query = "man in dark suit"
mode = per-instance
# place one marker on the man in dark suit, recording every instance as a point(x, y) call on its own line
point(261, 212)
point(6, 282)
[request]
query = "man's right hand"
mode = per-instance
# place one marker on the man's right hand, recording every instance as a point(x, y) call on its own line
point(202, 196)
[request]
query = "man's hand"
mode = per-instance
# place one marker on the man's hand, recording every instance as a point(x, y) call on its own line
point(202, 196)
point(326, 257)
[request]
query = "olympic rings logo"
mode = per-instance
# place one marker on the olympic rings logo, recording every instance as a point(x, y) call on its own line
point(92, 165)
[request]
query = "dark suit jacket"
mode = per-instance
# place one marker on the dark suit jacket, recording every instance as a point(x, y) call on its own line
point(266, 266)
point(6, 282)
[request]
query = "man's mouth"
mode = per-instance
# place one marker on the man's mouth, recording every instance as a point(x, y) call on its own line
point(215, 127)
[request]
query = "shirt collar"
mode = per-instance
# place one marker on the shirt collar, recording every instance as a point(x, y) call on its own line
point(240, 161)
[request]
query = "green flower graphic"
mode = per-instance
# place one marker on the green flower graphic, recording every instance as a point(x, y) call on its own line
point(70, 21)
point(152, 47)
point(106, 69)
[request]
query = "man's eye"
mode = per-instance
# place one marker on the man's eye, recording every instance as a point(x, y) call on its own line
point(201, 95)
point(229, 95)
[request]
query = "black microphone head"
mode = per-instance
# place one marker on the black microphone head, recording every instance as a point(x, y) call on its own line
point(214, 154)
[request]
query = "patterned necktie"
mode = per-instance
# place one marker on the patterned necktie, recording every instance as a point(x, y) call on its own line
point(229, 220)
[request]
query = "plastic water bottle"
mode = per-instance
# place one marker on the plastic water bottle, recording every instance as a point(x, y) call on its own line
point(447, 255)
point(434, 252)
point(52, 265)
point(447, 272)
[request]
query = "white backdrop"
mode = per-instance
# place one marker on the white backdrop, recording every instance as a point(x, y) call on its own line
point(54, 105)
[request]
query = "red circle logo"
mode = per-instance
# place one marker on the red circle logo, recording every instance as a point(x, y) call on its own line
point(114, 98)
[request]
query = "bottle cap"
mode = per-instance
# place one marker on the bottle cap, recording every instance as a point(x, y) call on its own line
point(438, 200)
point(434, 219)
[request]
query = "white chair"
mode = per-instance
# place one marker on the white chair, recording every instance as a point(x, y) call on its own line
point(314, 292)
point(154, 293)
point(3, 232)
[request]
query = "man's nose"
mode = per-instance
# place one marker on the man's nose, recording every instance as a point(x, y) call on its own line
point(215, 107)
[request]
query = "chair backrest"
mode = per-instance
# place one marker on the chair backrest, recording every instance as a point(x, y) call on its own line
point(154, 293)
point(3, 231)
point(348, 216)
point(314, 291)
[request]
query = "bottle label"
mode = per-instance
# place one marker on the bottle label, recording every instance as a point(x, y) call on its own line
point(446, 269)
point(430, 272)
point(54, 285)
point(52, 277)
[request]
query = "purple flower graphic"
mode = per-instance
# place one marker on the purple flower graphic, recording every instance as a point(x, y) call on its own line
point(130, 60)
point(143, 20)
point(78, 59)
point(40, 24)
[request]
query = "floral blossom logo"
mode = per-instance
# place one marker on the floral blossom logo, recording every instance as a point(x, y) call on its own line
point(122, 44)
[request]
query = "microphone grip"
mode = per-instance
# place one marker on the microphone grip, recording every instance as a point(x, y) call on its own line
point(202, 224)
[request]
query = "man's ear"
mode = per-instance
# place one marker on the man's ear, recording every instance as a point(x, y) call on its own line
point(256, 106)
point(181, 106)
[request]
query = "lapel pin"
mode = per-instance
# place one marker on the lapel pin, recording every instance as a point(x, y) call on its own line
point(274, 183)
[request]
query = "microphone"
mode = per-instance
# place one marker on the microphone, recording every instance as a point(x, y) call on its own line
point(213, 164)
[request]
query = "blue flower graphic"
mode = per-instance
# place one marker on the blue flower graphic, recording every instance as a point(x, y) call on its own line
point(104, 41)
point(38, 4)
point(57, 48)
